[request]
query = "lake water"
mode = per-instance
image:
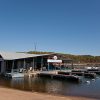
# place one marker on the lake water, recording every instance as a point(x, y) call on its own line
point(45, 85)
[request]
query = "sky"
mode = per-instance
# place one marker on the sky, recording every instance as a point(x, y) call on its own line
point(65, 26)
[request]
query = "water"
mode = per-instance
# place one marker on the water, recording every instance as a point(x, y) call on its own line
point(91, 88)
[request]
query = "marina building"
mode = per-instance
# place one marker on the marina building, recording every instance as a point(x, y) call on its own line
point(11, 61)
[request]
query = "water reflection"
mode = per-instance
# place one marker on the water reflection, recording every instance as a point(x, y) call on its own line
point(17, 83)
point(54, 86)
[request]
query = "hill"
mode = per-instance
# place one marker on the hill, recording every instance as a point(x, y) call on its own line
point(75, 58)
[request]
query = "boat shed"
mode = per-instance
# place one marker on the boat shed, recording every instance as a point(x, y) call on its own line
point(10, 61)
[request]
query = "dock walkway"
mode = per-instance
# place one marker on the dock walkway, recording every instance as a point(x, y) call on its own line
point(54, 75)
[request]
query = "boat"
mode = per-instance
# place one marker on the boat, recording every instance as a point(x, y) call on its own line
point(94, 70)
point(15, 74)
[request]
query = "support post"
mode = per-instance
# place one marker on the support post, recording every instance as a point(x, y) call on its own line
point(55, 66)
point(18, 64)
point(33, 64)
point(12, 66)
point(2, 67)
point(41, 63)
point(60, 66)
point(48, 66)
point(24, 64)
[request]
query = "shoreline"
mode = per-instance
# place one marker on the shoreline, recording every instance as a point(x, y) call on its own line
point(13, 94)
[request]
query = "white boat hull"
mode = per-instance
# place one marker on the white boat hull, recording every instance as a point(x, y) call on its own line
point(14, 75)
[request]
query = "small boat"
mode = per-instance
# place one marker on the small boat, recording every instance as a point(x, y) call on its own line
point(94, 70)
point(15, 74)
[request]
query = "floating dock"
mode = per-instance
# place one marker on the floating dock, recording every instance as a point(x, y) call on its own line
point(78, 73)
point(97, 71)
point(71, 73)
point(57, 76)
point(89, 75)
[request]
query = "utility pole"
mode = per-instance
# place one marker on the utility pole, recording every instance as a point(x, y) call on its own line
point(35, 47)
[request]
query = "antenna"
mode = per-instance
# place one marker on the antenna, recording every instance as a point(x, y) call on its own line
point(35, 47)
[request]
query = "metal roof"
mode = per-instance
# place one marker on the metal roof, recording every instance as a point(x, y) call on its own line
point(14, 55)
